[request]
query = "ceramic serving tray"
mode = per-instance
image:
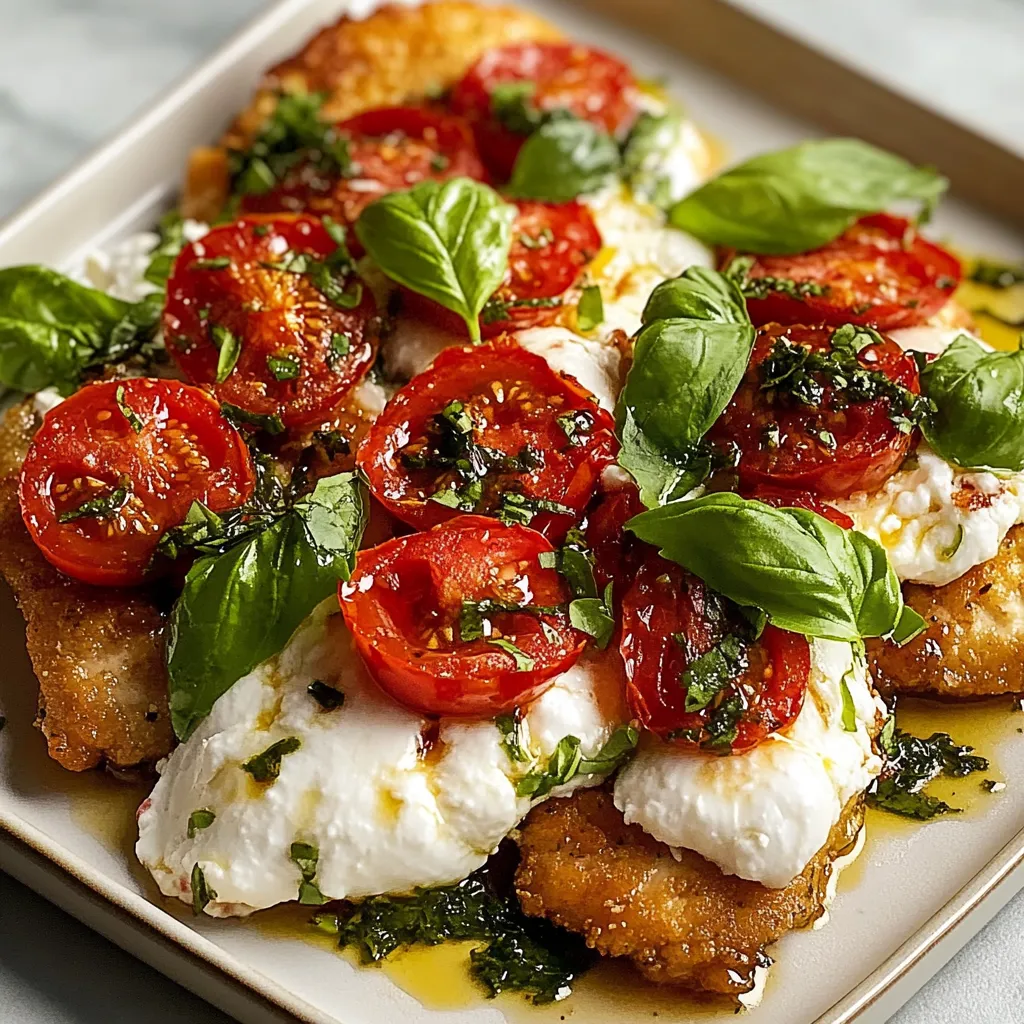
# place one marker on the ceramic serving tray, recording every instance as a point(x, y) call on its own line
point(913, 898)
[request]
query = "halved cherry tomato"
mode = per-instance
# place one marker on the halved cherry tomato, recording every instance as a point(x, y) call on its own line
point(485, 427)
point(551, 247)
point(585, 81)
point(390, 148)
point(304, 336)
point(617, 552)
point(119, 463)
point(461, 619)
point(670, 619)
point(829, 449)
point(879, 272)
point(779, 498)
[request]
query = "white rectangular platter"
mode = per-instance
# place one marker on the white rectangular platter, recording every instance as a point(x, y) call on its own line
point(915, 896)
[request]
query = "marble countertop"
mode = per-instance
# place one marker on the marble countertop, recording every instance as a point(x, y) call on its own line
point(74, 70)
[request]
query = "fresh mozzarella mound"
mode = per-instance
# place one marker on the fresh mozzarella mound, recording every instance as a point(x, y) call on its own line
point(936, 521)
point(928, 338)
point(595, 364)
point(387, 811)
point(765, 813)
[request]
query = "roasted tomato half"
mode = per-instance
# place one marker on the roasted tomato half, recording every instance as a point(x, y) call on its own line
point(489, 429)
point(879, 272)
point(726, 701)
point(461, 619)
point(617, 552)
point(506, 92)
point(388, 149)
point(551, 247)
point(119, 463)
point(779, 498)
point(820, 417)
point(270, 311)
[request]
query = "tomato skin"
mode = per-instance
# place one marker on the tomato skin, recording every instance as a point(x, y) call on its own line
point(666, 601)
point(536, 272)
point(873, 278)
point(88, 440)
point(402, 605)
point(869, 447)
point(778, 498)
point(392, 148)
point(275, 314)
point(618, 554)
point(588, 82)
point(569, 473)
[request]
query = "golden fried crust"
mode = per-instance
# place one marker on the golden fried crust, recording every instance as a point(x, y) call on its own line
point(683, 922)
point(972, 646)
point(98, 652)
point(395, 55)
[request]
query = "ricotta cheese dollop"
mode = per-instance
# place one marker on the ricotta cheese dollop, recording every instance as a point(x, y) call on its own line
point(765, 813)
point(390, 800)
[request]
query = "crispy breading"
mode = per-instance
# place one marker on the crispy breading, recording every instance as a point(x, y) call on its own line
point(395, 55)
point(678, 917)
point(98, 652)
point(971, 648)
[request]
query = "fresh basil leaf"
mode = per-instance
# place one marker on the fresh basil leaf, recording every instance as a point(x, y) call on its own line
point(448, 241)
point(241, 607)
point(800, 198)
point(590, 310)
point(910, 626)
point(978, 422)
point(511, 728)
point(269, 423)
point(330, 698)
point(306, 856)
point(133, 418)
point(568, 761)
point(564, 158)
point(648, 153)
point(809, 575)
point(197, 820)
point(172, 241)
point(524, 663)
point(709, 673)
point(849, 715)
point(106, 506)
point(512, 105)
point(699, 294)
point(266, 766)
point(594, 616)
point(52, 328)
point(660, 477)
point(202, 891)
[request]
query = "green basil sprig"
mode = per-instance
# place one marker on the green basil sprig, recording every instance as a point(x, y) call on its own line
point(52, 328)
point(564, 158)
point(809, 575)
point(978, 420)
point(449, 242)
point(797, 199)
point(241, 606)
point(688, 360)
point(648, 151)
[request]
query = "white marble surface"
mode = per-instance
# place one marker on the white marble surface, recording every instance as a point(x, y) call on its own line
point(73, 70)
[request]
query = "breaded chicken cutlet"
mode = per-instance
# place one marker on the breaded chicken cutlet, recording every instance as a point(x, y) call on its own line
point(98, 652)
point(679, 918)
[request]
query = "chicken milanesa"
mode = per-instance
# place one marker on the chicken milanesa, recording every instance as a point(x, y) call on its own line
point(397, 55)
point(971, 648)
point(98, 652)
point(678, 917)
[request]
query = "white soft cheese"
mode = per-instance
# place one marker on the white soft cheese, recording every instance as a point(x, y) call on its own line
point(597, 365)
point(936, 521)
point(765, 813)
point(385, 814)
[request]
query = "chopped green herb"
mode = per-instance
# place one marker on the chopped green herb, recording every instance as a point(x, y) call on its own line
point(568, 761)
point(474, 614)
point(578, 426)
point(497, 309)
point(266, 767)
point(332, 277)
point(341, 345)
point(203, 818)
point(172, 241)
point(328, 697)
point(511, 728)
point(997, 275)
point(134, 421)
point(229, 347)
point(512, 105)
point(910, 764)
point(539, 241)
point(283, 366)
point(269, 423)
point(711, 672)
point(595, 616)
point(306, 857)
point(590, 311)
point(439, 162)
point(849, 709)
point(947, 553)
point(761, 287)
point(105, 507)
point(590, 610)
point(218, 263)
point(202, 893)
point(723, 725)
point(518, 509)
point(524, 663)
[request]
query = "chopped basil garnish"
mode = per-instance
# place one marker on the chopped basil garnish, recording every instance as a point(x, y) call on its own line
point(910, 764)
point(266, 767)
point(710, 673)
point(217, 263)
point(996, 275)
point(497, 309)
point(648, 152)
point(332, 277)
point(306, 856)
point(197, 820)
point(328, 697)
point(578, 426)
point(269, 423)
point(512, 105)
point(133, 418)
point(524, 663)
point(511, 728)
point(229, 348)
point(739, 268)
point(541, 240)
point(849, 709)
point(590, 611)
point(283, 366)
point(590, 311)
point(474, 614)
point(519, 509)
point(172, 241)
point(568, 761)
point(202, 893)
point(105, 507)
